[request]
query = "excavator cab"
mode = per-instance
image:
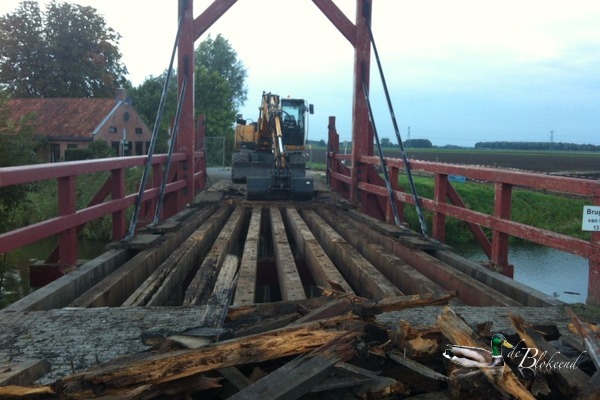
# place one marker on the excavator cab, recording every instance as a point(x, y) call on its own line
point(269, 154)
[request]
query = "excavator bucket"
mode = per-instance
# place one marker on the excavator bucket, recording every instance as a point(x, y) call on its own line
point(279, 188)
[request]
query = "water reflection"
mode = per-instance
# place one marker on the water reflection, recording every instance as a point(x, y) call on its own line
point(550, 271)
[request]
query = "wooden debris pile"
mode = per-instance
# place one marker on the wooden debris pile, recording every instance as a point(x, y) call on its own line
point(330, 348)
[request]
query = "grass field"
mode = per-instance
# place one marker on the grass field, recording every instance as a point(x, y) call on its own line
point(537, 161)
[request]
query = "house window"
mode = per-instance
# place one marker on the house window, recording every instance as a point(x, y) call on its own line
point(71, 146)
point(139, 148)
point(112, 129)
point(138, 131)
point(54, 152)
point(116, 148)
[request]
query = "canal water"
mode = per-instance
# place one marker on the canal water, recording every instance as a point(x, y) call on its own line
point(550, 271)
point(556, 273)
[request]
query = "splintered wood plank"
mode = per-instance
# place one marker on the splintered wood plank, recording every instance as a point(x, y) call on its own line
point(160, 285)
point(153, 369)
point(358, 271)
point(246, 287)
point(406, 278)
point(298, 376)
point(290, 283)
point(459, 333)
point(219, 301)
point(322, 269)
point(203, 282)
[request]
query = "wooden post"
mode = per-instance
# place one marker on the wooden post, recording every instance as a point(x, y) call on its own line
point(502, 205)
point(440, 195)
point(185, 69)
point(594, 266)
point(117, 191)
point(362, 134)
point(66, 206)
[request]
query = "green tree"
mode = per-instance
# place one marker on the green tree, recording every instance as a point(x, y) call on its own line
point(17, 147)
point(219, 88)
point(146, 99)
point(68, 51)
point(217, 55)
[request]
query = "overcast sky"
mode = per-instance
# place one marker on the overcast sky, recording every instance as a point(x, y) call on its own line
point(459, 72)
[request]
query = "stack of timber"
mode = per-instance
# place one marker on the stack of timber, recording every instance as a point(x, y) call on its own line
point(329, 347)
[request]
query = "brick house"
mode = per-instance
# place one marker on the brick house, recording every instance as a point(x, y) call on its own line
point(74, 123)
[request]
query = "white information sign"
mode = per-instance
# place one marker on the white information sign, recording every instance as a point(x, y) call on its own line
point(591, 218)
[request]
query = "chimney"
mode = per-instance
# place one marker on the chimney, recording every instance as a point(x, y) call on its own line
point(120, 93)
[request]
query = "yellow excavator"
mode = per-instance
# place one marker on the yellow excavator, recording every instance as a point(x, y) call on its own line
point(269, 153)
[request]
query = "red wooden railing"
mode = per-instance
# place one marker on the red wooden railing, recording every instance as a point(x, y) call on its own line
point(373, 199)
point(111, 199)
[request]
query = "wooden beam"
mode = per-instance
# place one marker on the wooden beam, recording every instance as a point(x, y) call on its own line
point(202, 284)
point(406, 278)
point(219, 301)
point(322, 269)
point(469, 290)
point(290, 283)
point(338, 19)
point(160, 285)
point(119, 285)
point(209, 16)
point(367, 280)
point(24, 373)
point(246, 286)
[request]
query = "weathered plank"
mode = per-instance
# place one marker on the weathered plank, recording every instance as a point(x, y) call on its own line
point(202, 283)
point(290, 283)
point(23, 373)
point(219, 301)
point(367, 280)
point(298, 376)
point(119, 285)
point(322, 269)
point(406, 278)
point(69, 287)
point(469, 290)
point(417, 367)
point(246, 286)
point(160, 285)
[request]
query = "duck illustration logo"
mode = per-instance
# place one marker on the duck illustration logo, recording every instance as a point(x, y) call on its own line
point(477, 357)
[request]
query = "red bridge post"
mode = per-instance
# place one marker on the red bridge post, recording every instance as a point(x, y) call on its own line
point(593, 296)
point(502, 205)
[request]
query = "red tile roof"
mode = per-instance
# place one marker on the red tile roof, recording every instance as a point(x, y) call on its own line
point(63, 118)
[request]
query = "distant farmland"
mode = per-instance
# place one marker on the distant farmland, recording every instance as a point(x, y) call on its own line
point(538, 161)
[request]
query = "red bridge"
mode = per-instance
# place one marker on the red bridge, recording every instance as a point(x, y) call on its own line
point(213, 251)
point(360, 184)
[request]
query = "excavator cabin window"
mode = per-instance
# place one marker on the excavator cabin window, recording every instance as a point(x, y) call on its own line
point(293, 121)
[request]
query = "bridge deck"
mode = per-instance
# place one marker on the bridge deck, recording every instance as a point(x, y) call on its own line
point(285, 251)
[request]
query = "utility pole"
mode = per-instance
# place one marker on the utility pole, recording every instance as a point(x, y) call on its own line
point(551, 140)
